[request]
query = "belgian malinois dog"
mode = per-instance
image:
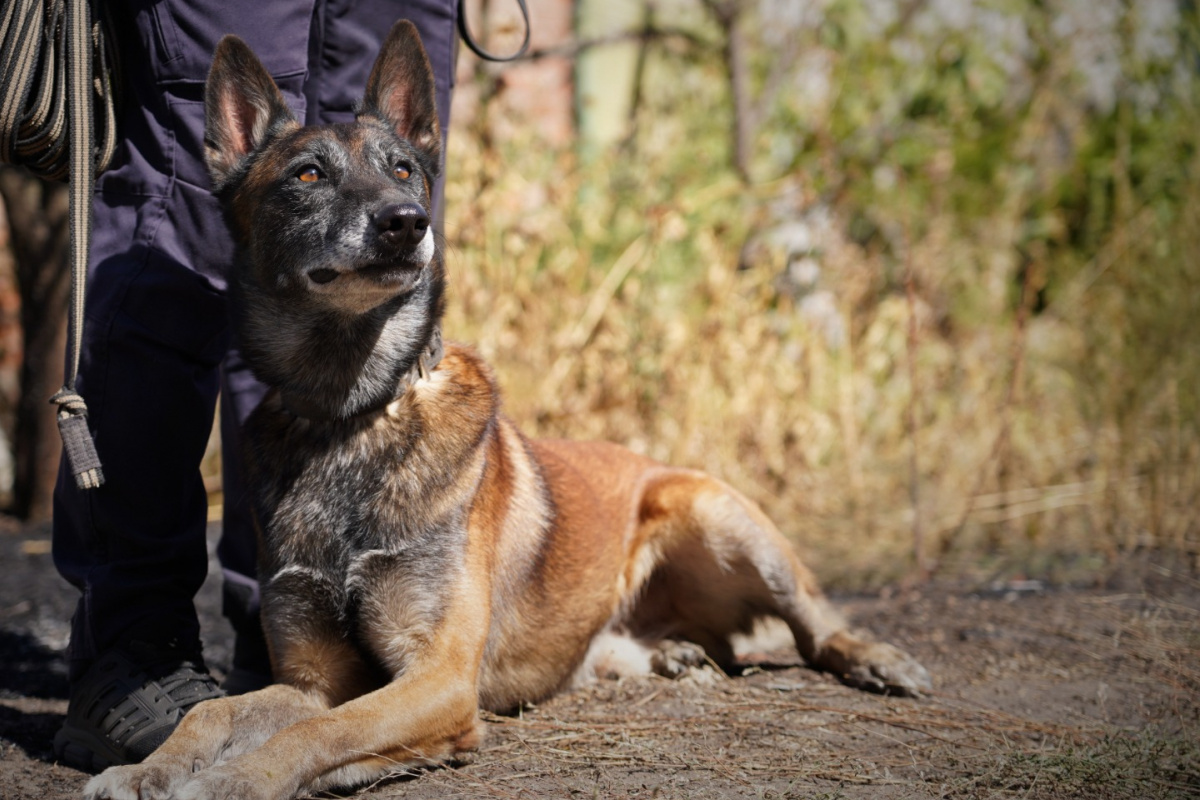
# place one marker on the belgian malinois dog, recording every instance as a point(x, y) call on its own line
point(420, 558)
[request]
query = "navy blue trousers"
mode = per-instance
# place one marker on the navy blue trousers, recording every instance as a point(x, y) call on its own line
point(158, 346)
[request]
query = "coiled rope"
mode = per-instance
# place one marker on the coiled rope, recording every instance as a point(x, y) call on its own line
point(57, 120)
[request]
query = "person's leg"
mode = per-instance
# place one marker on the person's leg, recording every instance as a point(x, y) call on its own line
point(346, 36)
point(156, 331)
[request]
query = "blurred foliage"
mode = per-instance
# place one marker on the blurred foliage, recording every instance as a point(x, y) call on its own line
point(1028, 169)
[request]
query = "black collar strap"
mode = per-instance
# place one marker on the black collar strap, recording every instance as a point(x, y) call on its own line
point(427, 362)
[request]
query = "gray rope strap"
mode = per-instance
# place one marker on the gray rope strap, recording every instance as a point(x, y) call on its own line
point(48, 118)
point(77, 439)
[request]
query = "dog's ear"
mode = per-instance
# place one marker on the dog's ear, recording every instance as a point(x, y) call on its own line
point(241, 106)
point(401, 90)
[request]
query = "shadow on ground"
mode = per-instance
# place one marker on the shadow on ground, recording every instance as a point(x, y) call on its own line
point(30, 669)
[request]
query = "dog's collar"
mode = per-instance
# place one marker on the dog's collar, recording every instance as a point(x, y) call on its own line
point(426, 363)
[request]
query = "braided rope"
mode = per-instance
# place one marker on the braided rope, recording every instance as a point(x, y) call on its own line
point(50, 109)
point(37, 83)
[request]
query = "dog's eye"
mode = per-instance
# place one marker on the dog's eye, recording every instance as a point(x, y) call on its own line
point(402, 171)
point(309, 174)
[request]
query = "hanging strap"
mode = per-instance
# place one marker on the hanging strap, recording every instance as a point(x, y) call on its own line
point(465, 31)
point(47, 125)
point(78, 446)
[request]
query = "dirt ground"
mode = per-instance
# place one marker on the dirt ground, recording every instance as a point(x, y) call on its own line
point(1040, 693)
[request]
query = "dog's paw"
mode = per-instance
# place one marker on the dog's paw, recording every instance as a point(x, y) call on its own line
point(873, 666)
point(673, 659)
point(227, 783)
point(884, 669)
point(153, 780)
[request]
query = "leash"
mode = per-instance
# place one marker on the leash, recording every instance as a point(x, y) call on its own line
point(50, 109)
point(465, 31)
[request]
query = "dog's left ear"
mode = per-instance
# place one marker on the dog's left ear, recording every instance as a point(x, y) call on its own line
point(401, 91)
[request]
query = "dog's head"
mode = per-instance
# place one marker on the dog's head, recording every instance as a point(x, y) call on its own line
point(335, 215)
point(337, 283)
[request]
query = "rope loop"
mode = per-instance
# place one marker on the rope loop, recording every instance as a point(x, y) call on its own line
point(69, 402)
point(465, 31)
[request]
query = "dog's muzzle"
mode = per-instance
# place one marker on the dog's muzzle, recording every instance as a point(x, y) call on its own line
point(401, 244)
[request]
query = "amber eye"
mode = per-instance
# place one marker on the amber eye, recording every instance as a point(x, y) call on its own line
point(309, 174)
point(402, 171)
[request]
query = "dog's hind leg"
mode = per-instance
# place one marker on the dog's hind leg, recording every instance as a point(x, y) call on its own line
point(211, 733)
point(708, 563)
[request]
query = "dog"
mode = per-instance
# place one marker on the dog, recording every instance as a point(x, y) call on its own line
point(420, 559)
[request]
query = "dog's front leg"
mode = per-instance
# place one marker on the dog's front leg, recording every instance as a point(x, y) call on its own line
point(211, 733)
point(428, 712)
point(425, 716)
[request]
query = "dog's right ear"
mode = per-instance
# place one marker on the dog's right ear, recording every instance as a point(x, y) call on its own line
point(401, 91)
point(242, 105)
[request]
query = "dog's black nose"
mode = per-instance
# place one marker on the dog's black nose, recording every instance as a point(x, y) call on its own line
point(402, 224)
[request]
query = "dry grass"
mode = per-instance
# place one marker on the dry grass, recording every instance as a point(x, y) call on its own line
point(613, 314)
point(988, 401)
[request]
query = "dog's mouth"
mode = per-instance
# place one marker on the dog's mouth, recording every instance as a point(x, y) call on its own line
point(381, 272)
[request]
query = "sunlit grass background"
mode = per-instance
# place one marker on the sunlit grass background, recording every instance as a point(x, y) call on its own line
point(949, 321)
